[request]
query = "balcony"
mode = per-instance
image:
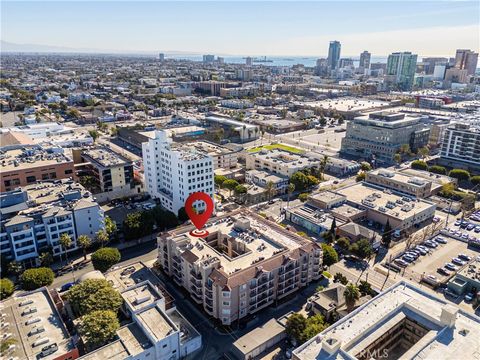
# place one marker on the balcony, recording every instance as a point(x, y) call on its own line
point(197, 276)
point(208, 294)
point(196, 283)
point(209, 309)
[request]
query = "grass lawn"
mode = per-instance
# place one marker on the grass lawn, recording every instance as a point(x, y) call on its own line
point(277, 146)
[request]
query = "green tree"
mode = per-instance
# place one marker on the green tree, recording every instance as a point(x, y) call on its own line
point(270, 189)
point(5, 344)
point(93, 294)
point(365, 166)
point(323, 165)
point(230, 185)
point(303, 197)
point(290, 190)
point(339, 277)
point(299, 180)
point(397, 158)
point(330, 256)
point(98, 327)
point(14, 268)
point(419, 165)
point(327, 237)
point(333, 227)
point(362, 248)
point(240, 191)
point(475, 180)
point(365, 288)
point(182, 214)
point(296, 324)
point(110, 226)
point(424, 152)
point(35, 278)
point(361, 176)
point(459, 174)
point(314, 325)
point(102, 237)
point(343, 243)
point(65, 242)
point(219, 180)
point(351, 294)
point(93, 134)
point(6, 288)
point(437, 169)
point(132, 226)
point(104, 258)
point(387, 234)
point(85, 242)
point(45, 258)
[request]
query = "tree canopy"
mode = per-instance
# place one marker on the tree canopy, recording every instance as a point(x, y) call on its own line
point(459, 174)
point(437, 169)
point(35, 278)
point(362, 248)
point(94, 294)
point(104, 258)
point(98, 327)
point(6, 288)
point(330, 256)
point(419, 165)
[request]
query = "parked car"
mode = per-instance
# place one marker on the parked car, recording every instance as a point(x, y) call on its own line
point(441, 240)
point(443, 271)
point(65, 287)
point(48, 350)
point(451, 267)
point(470, 227)
point(469, 297)
point(401, 262)
point(459, 262)
point(464, 257)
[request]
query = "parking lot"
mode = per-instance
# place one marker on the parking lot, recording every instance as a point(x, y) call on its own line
point(119, 211)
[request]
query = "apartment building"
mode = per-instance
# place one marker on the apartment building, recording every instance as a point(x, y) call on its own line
point(34, 218)
point(33, 320)
point(401, 69)
point(111, 171)
point(173, 171)
point(279, 161)
point(243, 265)
point(154, 332)
point(378, 136)
point(27, 165)
point(403, 322)
point(461, 146)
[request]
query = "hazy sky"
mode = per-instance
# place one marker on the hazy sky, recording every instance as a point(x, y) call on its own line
point(246, 27)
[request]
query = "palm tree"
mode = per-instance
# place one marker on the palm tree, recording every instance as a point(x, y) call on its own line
point(322, 166)
point(102, 237)
point(351, 294)
point(270, 189)
point(66, 242)
point(290, 190)
point(84, 241)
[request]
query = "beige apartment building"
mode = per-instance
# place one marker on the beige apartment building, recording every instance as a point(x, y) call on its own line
point(243, 265)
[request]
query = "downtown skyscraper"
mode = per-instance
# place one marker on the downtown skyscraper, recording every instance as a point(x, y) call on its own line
point(401, 69)
point(334, 54)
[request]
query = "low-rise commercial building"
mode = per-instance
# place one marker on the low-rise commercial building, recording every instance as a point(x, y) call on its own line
point(27, 165)
point(34, 218)
point(243, 132)
point(382, 204)
point(263, 178)
point(34, 323)
point(242, 264)
point(402, 183)
point(402, 322)
point(279, 161)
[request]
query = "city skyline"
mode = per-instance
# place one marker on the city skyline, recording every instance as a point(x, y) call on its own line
point(243, 28)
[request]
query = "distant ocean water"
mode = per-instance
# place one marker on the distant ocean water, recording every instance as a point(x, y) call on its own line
point(309, 61)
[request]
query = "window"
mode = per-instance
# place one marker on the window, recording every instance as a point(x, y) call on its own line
point(226, 294)
point(68, 171)
point(31, 179)
point(226, 303)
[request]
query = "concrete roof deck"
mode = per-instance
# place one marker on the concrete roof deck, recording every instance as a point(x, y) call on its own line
point(134, 339)
point(38, 158)
point(113, 351)
point(284, 157)
point(347, 104)
point(258, 336)
point(371, 320)
point(358, 192)
point(105, 157)
point(156, 323)
point(141, 296)
point(49, 319)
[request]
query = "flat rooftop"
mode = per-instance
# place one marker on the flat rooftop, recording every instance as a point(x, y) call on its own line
point(134, 339)
point(384, 201)
point(261, 241)
point(31, 317)
point(327, 196)
point(283, 157)
point(106, 158)
point(141, 296)
point(396, 176)
point(259, 336)
point(347, 104)
point(369, 322)
point(209, 148)
point(28, 158)
point(314, 215)
point(156, 323)
point(112, 351)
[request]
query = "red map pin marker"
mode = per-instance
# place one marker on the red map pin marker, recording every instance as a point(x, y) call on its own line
point(199, 220)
